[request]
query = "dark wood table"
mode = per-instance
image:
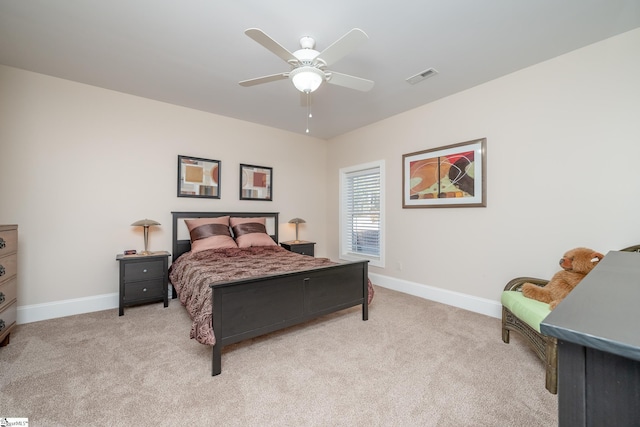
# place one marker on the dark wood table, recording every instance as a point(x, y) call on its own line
point(598, 332)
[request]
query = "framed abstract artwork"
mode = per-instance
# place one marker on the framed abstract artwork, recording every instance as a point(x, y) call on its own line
point(449, 176)
point(198, 177)
point(256, 182)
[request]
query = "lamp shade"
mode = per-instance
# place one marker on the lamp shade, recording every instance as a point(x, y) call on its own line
point(145, 223)
point(306, 79)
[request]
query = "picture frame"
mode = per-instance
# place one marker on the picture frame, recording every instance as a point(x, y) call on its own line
point(256, 182)
point(446, 177)
point(198, 177)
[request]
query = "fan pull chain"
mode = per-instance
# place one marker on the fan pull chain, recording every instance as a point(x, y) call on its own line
point(308, 110)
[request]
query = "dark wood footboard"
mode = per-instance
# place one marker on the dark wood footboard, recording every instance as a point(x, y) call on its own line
point(249, 308)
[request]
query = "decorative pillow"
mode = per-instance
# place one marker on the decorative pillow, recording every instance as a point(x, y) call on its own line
point(210, 233)
point(251, 232)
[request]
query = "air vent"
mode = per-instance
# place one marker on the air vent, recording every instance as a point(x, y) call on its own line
point(422, 76)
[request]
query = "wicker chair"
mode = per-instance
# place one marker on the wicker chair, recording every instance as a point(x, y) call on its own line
point(544, 346)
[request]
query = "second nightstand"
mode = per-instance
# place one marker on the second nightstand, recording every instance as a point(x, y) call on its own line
point(301, 246)
point(143, 279)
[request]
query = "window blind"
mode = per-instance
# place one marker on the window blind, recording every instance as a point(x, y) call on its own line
point(362, 212)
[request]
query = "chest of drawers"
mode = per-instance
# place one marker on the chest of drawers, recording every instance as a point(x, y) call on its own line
point(8, 281)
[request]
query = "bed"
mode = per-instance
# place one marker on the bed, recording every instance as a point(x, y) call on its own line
point(230, 302)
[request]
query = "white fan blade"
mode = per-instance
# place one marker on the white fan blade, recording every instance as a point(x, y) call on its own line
point(351, 82)
point(272, 45)
point(264, 79)
point(343, 46)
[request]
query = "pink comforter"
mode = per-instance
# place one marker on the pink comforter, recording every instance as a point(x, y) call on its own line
point(192, 273)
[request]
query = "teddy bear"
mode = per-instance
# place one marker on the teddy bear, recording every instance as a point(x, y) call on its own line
point(576, 264)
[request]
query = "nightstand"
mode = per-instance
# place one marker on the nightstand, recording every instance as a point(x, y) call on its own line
point(301, 247)
point(143, 279)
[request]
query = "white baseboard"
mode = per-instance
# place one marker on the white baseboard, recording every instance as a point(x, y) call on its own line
point(70, 307)
point(52, 310)
point(456, 299)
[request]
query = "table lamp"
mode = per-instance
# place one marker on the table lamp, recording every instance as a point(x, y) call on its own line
point(146, 223)
point(297, 221)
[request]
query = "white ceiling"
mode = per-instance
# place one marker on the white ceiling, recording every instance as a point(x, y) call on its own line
point(193, 53)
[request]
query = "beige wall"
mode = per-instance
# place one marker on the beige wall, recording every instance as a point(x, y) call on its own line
point(79, 164)
point(562, 169)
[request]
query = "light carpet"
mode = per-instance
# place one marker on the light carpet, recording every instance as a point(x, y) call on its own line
point(413, 363)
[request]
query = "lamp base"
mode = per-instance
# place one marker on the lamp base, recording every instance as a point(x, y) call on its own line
point(146, 241)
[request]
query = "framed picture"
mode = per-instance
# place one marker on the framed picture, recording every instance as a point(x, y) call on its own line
point(256, 182)
point(446, 177)
point(198, 177)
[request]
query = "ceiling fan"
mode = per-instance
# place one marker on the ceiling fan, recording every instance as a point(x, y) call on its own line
point(308, 66)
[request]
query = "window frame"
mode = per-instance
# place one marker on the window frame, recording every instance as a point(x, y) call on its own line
point(345, 230)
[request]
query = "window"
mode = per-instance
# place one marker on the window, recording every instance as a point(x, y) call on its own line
point(362, 213)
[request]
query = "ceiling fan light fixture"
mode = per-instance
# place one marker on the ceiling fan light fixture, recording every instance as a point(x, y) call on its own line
point(306, 79)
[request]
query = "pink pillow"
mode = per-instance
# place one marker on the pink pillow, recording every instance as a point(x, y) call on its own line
point(251, 232)
point(210, 233)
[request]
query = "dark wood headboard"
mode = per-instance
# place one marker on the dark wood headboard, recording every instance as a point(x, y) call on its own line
point(180, 246)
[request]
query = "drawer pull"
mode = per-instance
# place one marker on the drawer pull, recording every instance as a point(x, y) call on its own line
point(3, 244)
point(144, 271)
point(2, 325)
point(144, 290)
point(2, 297)
point(2, 270)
